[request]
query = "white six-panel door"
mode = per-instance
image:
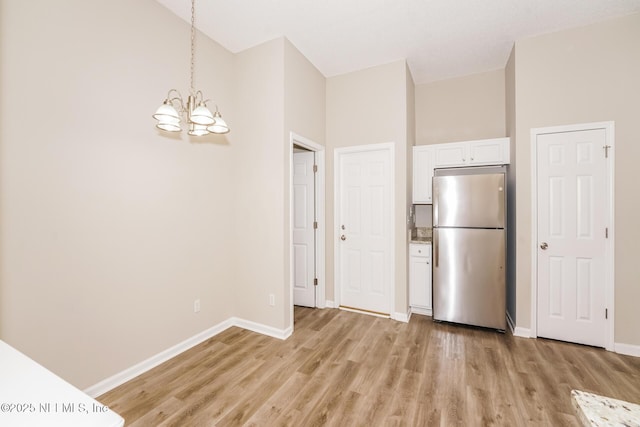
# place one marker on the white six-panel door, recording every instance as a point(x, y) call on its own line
point(364, 229)
point(303, 230)
point(572, 226)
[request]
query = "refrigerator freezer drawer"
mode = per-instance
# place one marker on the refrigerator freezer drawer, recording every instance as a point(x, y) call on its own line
point(469, 201)
point(469, 276)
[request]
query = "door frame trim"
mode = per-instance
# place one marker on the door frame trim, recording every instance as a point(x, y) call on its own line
point(389, 147)
point(319, 195)
point(609, 128)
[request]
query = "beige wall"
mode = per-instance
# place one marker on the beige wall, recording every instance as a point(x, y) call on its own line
point(280, 92)
point(411, 141)
point(369, 107)
point(582, 75)
point(109, 231)
point(261, 253)
point(304, 114)
point(305, 96)
point(510, 127)
point(464, 108)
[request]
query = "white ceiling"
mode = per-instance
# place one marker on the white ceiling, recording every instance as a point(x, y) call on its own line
point(439, 38)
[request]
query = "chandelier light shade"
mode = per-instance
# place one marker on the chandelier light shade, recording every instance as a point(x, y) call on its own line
point(220, 126)
point(198, 117)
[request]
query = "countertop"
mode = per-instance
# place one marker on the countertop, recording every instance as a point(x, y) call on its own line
point(421, 235)
point(421, 240)
point(600, 411)
point(32, 396)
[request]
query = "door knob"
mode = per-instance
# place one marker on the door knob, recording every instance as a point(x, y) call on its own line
point(544, 246)
point(343, 237)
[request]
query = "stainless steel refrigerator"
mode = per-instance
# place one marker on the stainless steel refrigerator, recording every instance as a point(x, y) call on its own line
point(469, 246)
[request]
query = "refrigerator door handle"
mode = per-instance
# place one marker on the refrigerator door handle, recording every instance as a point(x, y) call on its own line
point(435, 198)
point(436, 247)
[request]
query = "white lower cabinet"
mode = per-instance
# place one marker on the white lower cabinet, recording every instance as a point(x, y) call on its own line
point(420, 278)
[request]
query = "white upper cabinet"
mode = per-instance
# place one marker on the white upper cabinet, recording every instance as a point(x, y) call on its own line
point(454, 154)
point(489, 152)
point(472, 153)
point(422, 174)
point(483, 152)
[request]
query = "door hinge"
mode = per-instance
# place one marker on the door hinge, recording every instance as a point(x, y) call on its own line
point(315, 281)
point(315, 168)
point(606, 232)
point(606, 313)
point(606, 151)
point(315, 225)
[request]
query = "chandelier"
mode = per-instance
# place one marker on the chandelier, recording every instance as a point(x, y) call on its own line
point(198, 117)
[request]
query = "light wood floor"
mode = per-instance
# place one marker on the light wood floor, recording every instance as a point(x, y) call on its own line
point(341, 368)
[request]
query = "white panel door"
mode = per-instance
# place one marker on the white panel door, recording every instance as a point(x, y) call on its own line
point(303, 232)
point(365, 246)
point(572, 208)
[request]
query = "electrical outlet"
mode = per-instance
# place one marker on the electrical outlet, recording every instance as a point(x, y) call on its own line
point(272, 300)
point(196, 306)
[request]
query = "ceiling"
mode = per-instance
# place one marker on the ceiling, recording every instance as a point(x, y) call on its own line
point(440, 39)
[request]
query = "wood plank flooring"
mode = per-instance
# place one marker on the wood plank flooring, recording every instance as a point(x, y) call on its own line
point(347, 369)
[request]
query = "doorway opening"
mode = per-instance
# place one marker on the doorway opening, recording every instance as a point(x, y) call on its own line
point(306, 223)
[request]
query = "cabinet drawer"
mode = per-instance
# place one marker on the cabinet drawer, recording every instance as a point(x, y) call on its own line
point(420, 250)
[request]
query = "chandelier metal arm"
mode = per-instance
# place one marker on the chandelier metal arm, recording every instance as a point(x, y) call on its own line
point(181, 107)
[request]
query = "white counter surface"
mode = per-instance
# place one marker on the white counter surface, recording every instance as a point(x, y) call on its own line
point(420, 241)
point(600, 411)
point(32, 396)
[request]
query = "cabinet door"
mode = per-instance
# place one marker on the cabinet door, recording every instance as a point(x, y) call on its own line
point(454, 154)
point(422, 174)
point(420, 280)
point(489, 152)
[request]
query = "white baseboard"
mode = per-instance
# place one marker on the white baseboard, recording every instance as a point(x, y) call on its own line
point(517, 331)
point(150, 363)
point(422, 311)
point(628, 349)
point(401, 317)
point(522, 332)
point(282, 334)
point(330, 304)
